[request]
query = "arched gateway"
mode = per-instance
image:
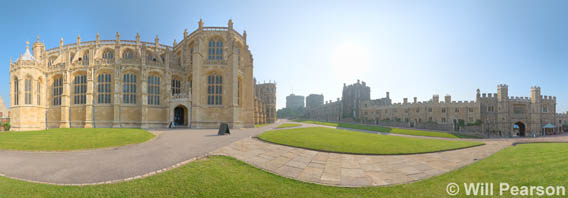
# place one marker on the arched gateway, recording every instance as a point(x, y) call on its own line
point(520, 129)
point(181, 116)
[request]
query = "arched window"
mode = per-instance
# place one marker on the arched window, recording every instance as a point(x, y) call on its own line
point(51, 60)
point(190, 82)
point(71, 57)
point(16, 92)
point(191, 52)
point(153, 90)
point(215, 89)
point(104, 88)
point(127, 54)
point(239, 92)
point(28, 91)
point(129, 89)
point(38, 92)
point(108, 56)
point(176, 87)
point(215, 49)
point(86, 58)
point(57, 91)
point(80, 89)
point(151, 58)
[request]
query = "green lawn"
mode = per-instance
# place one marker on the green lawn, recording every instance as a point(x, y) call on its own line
point(288, 125)
point(530, 164)
point(66, 139)
point(332, 124)
point(415, 132)
point(337, 140)
point(261, 125)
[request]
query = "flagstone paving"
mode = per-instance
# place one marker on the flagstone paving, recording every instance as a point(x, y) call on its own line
point(361, 170)
point(172, 147)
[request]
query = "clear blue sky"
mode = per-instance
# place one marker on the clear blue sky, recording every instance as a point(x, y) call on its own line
point(410, 48)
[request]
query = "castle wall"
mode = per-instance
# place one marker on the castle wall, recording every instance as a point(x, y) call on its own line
point(490, 115)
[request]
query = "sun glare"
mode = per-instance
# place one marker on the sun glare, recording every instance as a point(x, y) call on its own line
point(350, 60)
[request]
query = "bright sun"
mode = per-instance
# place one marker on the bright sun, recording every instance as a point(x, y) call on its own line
point(350, 60)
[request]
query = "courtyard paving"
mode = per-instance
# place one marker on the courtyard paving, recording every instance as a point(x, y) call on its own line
point(172, 148)
point(362, 170)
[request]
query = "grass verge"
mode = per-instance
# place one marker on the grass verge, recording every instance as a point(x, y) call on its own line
point(66, 139)
point(415, 132)
point(261, 125)
point(344, 141)
point(522, 165)
point(288, 125)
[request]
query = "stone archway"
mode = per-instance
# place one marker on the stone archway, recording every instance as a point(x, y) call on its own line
point(181, 115)
point(520, 129)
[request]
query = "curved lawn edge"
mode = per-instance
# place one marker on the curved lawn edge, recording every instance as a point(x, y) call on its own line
point(354, 142)
point(370, 154)
point(153, 136)
point(392, 130)
point(288, 125)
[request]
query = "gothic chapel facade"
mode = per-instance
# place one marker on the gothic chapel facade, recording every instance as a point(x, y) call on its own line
point(204, 80)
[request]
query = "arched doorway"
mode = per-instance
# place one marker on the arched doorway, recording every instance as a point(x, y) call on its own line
point(519, 129)
point(180, 116)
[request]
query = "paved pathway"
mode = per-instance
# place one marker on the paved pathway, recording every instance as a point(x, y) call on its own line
point(171, 147)
point(93, 166)
point(361, 170)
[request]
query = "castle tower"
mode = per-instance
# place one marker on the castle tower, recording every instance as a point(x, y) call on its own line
point(504, 124)
point(536, 113)
point(436, 98)
point(478, 95)
point(535, 95)
point(502, 92)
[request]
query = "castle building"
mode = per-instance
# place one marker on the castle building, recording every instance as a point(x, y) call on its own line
point(352, 96)
point(330, 111)
point(490, 115)
point(294, 101)
point(205, 79)
point(4, 112)
point(314, 101)
point(266, 96)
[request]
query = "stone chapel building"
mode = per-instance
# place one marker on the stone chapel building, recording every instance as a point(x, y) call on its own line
point(205, 79)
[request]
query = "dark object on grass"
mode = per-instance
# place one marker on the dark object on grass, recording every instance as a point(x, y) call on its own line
point(224, 129)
